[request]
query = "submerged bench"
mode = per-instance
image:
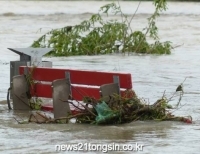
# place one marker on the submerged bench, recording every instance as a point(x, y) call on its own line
point(64, 84)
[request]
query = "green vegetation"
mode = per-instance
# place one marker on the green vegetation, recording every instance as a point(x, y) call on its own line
point(34, 102)
point(100, 36)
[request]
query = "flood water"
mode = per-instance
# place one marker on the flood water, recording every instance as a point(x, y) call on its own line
point(20, 23)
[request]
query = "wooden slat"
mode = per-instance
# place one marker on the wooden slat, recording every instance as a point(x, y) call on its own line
point(78, 92)
point(43, 90)
point(81, 76)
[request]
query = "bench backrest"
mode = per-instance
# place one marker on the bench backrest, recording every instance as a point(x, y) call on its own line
point(84, 82)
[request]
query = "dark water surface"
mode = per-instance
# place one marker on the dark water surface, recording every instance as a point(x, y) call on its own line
point(151, 75)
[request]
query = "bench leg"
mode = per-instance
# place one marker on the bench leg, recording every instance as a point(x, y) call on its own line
point(108, 90)
point(61, 91)
point(19, 89)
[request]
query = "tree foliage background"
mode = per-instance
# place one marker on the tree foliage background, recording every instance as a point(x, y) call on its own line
point(100, 36)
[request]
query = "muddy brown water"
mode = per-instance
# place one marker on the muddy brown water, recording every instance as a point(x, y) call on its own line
point(151, 76)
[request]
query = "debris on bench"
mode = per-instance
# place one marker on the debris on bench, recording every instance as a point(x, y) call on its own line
point(118, 110)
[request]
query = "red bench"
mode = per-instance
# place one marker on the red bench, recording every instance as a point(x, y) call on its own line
point(82, 82)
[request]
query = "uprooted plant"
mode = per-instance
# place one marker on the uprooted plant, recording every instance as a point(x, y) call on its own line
point(34, 102)
point(100, 36)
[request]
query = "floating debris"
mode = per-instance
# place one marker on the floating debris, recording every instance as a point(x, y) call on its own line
point(117, 110)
